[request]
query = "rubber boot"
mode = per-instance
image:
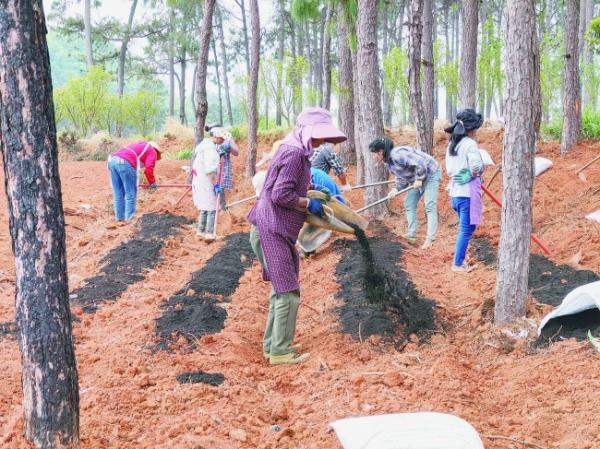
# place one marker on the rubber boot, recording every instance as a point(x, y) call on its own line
point(269, 326)
point(284, 328)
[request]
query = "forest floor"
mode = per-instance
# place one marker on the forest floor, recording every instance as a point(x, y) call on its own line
point(157, 310)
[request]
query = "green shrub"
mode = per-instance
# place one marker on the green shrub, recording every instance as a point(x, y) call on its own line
point(68, 141)
point(552, 130)
point(239, 132)
point(590, 124)
point(184, 155)
point(273, 134)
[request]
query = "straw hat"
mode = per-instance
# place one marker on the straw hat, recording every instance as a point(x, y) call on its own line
point(154, 145)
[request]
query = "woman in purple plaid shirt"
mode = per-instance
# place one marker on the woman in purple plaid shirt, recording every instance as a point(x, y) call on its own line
point(277, 218)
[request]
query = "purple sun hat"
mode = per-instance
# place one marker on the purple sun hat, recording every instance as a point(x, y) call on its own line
point(319, 125)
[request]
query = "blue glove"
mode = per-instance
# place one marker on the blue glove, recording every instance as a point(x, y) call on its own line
point(217, 189)
point(324, 190)
point(463, 176)
point(153, 186)
point(315, 207)
point(224, 149)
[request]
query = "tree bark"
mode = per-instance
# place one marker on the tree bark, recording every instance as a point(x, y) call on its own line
point(428, 77)
point(588, 57)
point(218, 77)
point(448, 59)
point(415, 27)
point(280, 57)
point(87, 29)
point(225, 67)
point(201, 98)
point(358, 126)
point(387, 98)
point(371, 116)
point(123, 51)
point(252, 89)
point(171, 65)
point(183, 67)
point(346, 89)
point(327, 58)
point(36, 223)
point(468, 56)
point(571, 131)
point(320, 45)
point(242, 5)
point(517, 162)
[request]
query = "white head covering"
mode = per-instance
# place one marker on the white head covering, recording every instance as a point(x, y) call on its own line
point(220, 132)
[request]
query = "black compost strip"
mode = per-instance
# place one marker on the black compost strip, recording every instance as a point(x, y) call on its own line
point(379, 298)
point(549, 284)
point(197, 377)
point(194, 311)
point(125, 265)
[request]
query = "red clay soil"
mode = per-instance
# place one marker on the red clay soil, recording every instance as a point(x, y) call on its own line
point(130, 397)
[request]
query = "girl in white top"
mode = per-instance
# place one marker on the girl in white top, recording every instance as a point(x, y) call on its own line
point(464, 166)
point(205, 180)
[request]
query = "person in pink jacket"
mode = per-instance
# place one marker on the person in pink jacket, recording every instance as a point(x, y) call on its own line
point(124, 165)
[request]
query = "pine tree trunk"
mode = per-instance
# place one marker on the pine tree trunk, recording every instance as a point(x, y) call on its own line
point(428, 77)
point(123, 51)
point(182, 76)
point(327, 59)
point(588, 57)
point(252, 89)
point(242, 5)
point(280, 57)
point(87, 30)
point(218, 77)
point(204, 47)
point(171, 66)
point(371, 116)
point(320, 44)
point(36, 223)
point(571, 132)
point(346, 90)
point(468, 56)
point(387, 98)
point(517, 162)
point(448, 59)
point(358, 126)
point(225, 67)
point(415, 27)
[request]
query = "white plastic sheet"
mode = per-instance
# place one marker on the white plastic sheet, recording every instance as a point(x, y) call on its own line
point(485, 156)
point(594, 216)
point(582, 298)
point(542, 164)
point(426, 430)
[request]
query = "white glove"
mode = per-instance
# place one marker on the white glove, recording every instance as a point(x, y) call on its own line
point(418, 184)
point(393, 193)
point(346, 188)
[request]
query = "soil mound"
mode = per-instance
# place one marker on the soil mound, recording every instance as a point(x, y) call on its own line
point(194, 310)
point(379, 297)
point(197, 377)
point(125, 264)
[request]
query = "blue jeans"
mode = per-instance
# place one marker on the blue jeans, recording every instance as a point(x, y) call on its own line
point(123, 179)
point(429, 192)
point(462, 206)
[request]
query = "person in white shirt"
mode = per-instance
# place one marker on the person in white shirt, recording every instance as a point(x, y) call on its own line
point(464, 166)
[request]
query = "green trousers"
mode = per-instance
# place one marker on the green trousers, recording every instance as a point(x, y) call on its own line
point(283, 310)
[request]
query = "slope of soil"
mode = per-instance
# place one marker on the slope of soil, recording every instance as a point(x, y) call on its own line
point(131, 396)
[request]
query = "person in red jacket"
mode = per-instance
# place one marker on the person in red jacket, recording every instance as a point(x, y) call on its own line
point(124, 165)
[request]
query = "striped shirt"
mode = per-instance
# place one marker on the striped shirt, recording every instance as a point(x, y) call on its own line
point(324, 158)
point(410, 164)
point(278, 218)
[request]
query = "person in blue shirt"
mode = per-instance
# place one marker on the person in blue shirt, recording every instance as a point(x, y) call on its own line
point(320, 179)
